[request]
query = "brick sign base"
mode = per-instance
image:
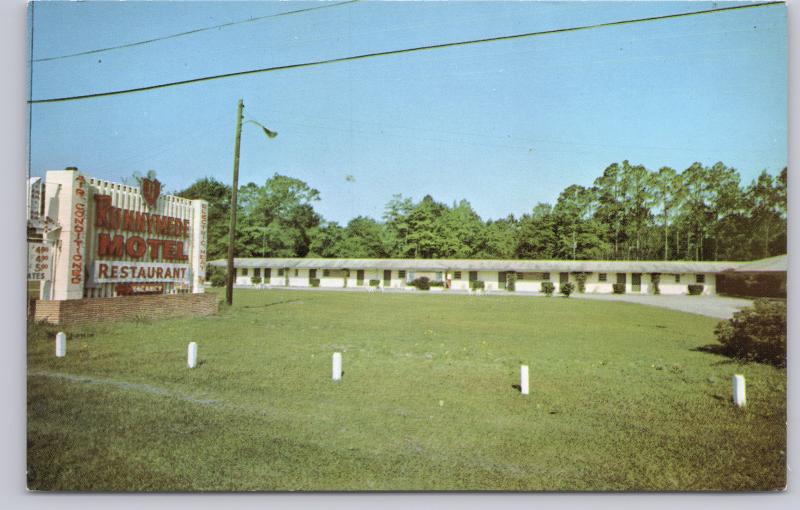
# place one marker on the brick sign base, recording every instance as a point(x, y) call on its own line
point(82, 311)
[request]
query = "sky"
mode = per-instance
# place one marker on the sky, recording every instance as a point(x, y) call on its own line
point(503, 124)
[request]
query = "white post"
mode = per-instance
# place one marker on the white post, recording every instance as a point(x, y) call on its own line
point(523, 379)
point(739, 398)
point(61, 344)
point(192, 354)
point(337, 366)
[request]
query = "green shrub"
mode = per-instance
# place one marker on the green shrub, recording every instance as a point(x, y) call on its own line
point(757, 333)
point(581, 279)
point(511, 281)
point(567, 288)
point(695, 289)
point(255, 280)
point(374, 283)
point(422, 283)
point(435, 283)
point(548, 288)
point(655, 278)
point(619, 288)
point(218, 279)
point(314, 282)
point(477, 285)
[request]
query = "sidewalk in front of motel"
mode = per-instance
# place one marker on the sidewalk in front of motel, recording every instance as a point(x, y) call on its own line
point(720, 307)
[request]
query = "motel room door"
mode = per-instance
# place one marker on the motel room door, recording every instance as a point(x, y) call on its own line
point(501, 279)
point(636, 282)
point(387, 277)
point(562, 279)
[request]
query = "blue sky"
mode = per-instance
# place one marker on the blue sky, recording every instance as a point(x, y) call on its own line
point(504, 125)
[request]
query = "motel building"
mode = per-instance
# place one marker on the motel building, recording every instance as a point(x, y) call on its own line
point(637, 277)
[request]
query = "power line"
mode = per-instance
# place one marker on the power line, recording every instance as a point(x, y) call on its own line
point(190, 32)
point(397, 52)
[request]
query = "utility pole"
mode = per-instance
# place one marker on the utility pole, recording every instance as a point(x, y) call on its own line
point(234, 189)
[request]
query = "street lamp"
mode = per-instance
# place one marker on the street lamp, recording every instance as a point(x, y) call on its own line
point(234, 190)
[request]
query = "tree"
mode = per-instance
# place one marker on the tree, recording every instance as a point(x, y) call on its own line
point(362, 238)
point(667, 193)
point(637, 199)
point(395, 217)
point(536, 238)
point(218, 196)
point(283, 207)
point(424, 229)
point(574, 229)
point(326, 240)
point(608, 190)
point(499, 239)
point(764, 201)
point(462, 231)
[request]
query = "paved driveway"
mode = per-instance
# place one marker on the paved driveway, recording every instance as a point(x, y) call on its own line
point(713, 306)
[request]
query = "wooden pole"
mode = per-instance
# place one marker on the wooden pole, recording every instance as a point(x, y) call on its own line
point(234, 189)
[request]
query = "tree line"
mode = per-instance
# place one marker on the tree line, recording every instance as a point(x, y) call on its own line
point(629, 213)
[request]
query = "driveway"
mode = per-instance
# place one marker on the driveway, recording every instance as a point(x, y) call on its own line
point(720, 307)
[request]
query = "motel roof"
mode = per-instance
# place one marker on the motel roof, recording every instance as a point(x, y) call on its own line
point(520, 266)
point(768, 265)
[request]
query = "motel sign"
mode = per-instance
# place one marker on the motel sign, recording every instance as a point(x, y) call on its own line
point(107, 239)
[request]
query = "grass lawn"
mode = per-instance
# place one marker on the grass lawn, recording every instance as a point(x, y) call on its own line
point(620, 399)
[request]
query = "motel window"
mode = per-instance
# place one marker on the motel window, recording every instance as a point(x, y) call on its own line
point(326, 272)
point(602, 277)
point(677, 278)
point(700, 278)
point(438, 276)
point(520, 276)
point(546, 277)
point(457, 275)
point(473, 276)
point(244, 271)
point(257, 272)
point(280, 271)
point(401, 274)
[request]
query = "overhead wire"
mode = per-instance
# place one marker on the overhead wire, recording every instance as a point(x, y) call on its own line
point(190, 32)
point(399, 52)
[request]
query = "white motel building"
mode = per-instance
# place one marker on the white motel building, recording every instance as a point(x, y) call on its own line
point(674, 277)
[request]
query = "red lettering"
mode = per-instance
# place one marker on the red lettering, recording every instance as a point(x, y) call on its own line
point(151, 223)
point(102, 211)
point(141, 222)
point(169, 250)
point(154, 245)
point(161, 225)
point(102, 270)
point(181, 255)
point(129, 221)
point(108, 248)
point(135, 247)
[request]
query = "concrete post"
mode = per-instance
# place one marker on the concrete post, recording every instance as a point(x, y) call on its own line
point(739, 398)
point(337, 366)
point(61, 344)
point(192, 361)
point(523, 379)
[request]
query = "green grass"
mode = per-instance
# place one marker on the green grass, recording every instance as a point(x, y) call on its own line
point(620, 399)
